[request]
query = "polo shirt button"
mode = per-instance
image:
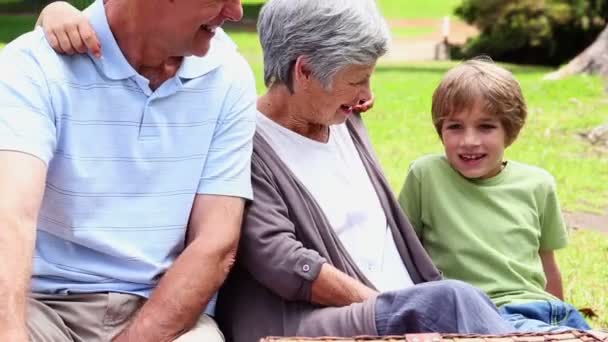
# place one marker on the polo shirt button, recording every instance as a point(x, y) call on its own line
point(306, 268)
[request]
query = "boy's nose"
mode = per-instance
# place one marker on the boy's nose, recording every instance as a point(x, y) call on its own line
point(470, 139)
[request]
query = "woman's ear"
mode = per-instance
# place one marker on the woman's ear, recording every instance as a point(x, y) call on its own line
point(302, 75)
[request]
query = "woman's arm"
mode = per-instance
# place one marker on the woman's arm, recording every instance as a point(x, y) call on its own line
point(336, 288)
point(68, 30)
point(272, 253)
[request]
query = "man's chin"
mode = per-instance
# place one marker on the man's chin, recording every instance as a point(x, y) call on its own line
point(200, 50)
point(199, 53)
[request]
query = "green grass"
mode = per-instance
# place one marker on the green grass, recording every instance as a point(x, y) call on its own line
point(12, 26)
point(412, 32)
point(401, 131)
point(407, 8)
point(585, 274)
point(401, 127)
point(417, 8)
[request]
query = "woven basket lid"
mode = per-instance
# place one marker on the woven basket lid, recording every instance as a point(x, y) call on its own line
point(570, 336)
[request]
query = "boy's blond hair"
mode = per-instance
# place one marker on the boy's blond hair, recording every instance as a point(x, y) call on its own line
point(481, 82)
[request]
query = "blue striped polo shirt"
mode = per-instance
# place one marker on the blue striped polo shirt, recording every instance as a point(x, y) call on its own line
point(124, 162)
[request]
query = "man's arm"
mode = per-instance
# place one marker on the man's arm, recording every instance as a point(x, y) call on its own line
point(335, 288)
point(22, 179)
point(186, 288)
point(554, 277)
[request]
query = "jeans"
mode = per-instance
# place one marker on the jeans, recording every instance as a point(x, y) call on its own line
point(446, 306)
point(543, 316)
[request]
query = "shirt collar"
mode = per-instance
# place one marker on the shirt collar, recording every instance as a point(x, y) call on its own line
point(115, 65)
point(221, 45)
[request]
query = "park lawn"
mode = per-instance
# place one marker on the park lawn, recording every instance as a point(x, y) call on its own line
point(559, 111)
point(12, 26)
point(407, 8)
point(410, 9)
point(583, 267)
point(401, 130)
point(412, 32)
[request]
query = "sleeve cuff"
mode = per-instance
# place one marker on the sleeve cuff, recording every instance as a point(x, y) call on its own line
point(44, 156)
point(227, 188)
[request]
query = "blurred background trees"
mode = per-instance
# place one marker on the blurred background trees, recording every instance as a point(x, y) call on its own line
point(547, 32)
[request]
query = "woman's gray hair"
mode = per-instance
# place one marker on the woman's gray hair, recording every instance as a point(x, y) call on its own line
point(331, 34)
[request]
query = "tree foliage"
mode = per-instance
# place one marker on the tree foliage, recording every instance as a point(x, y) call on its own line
point(533, 31)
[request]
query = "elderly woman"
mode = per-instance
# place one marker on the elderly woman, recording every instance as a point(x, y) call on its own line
point(325, 249)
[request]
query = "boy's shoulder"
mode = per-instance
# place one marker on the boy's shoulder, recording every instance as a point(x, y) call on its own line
point(523, 169)
point(429, 162)
point(534, 177)
point(432, 166)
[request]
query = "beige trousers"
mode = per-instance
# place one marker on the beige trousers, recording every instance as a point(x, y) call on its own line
point(96, 317)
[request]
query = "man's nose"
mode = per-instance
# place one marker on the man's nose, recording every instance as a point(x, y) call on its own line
point(233, 10)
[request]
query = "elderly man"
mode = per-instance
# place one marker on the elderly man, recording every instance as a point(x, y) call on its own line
point(107, 163)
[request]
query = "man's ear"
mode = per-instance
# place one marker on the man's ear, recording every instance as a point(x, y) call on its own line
point(302, 75)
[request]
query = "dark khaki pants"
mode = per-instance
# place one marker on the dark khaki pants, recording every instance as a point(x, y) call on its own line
point(96, 317)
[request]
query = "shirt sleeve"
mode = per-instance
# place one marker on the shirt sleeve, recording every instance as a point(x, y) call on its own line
point(27, 121)
point(228, 167)
point(554, 234)
point(410, 200)
point(270, 250)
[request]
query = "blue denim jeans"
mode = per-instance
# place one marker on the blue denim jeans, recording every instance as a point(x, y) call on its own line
point(543, 316)
point(446, 306)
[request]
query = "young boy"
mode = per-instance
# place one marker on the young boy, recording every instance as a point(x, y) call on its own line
point(490, 222)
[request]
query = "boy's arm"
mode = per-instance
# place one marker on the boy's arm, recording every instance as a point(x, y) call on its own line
point(410, 199)
point(554, 277)
point(68, 30)
point(554, 235)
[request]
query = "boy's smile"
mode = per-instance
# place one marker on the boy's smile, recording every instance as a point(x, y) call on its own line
point(474, 143)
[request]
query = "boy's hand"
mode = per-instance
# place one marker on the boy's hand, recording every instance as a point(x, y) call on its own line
point(68, 30)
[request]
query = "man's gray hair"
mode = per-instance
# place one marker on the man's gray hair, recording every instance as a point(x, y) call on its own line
point(331, 34)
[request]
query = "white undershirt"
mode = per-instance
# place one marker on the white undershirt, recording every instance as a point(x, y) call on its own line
point(335, 176)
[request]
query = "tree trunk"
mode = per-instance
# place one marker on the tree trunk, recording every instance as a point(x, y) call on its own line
point(598, 135)
point(594, 60)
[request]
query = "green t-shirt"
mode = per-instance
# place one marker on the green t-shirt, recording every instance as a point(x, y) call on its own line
point(487, 232)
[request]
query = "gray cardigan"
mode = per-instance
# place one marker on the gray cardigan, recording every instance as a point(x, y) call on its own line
point(285, 240)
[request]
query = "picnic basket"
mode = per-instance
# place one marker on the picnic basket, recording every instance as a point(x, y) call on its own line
point(570, 336)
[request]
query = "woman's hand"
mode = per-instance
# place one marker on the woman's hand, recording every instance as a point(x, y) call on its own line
point(364, 106)
point(68, 30)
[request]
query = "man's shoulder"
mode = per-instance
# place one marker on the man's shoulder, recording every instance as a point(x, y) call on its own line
point(31, 53)
point(225, 57)
point(235, 65)
point(31, 44)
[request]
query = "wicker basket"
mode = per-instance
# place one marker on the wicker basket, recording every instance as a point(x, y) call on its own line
point(571, 336)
